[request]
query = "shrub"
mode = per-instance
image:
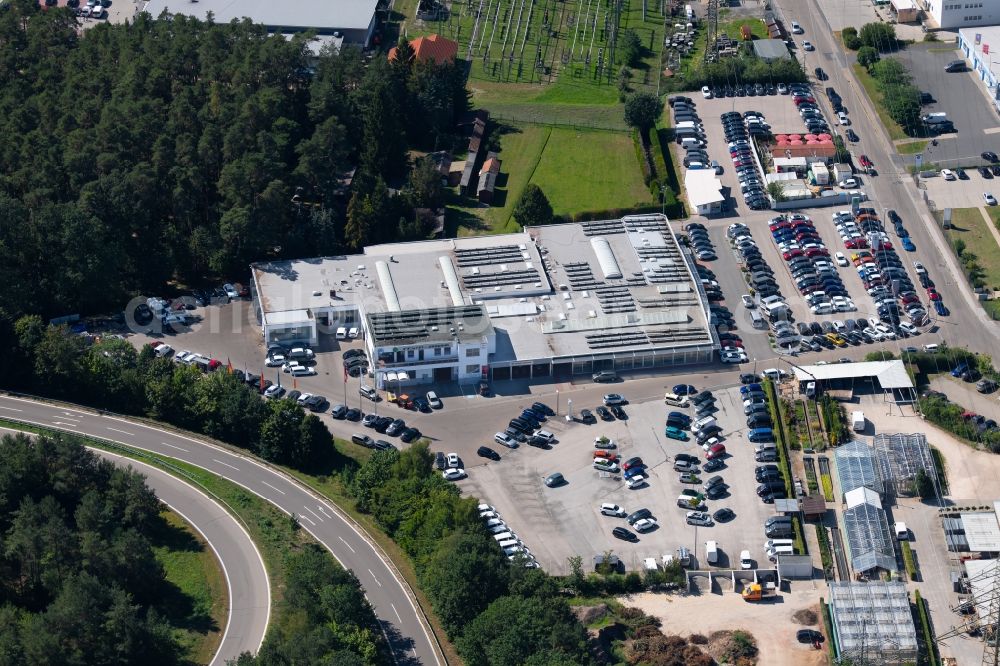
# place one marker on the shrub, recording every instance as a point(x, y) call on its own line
point(909, 562)
point(851, 39)
point(930, 645)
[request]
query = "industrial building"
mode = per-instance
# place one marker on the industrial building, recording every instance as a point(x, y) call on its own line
point(704, 191)
point(950, 14)
point(351, 20)
point(973, 530)
point(556, 300)
point(872, 620)
point(979, 46)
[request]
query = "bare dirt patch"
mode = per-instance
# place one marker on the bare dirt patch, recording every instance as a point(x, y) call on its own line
point(807, 617)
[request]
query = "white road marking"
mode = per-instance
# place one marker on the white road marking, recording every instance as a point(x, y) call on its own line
point(66, 415)
point(11, 409)
point(175, 447)
point(273, 487)
point(124, 432)
point(347, 544)
point(311, 521)
point(68, 425)
point(226, 464)
point(313, 513)
point(323, 511)
point(376, 579)
point(396, 611)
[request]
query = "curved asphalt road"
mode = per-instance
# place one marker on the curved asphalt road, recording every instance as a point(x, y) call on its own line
point(249, 609)
point(403, 624)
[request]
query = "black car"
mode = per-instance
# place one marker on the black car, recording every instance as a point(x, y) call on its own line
point(820, 74)
point(808, 636)
point(439, 460)
point(382, 423)
point(586, 416)
point(317, 403)
point(638, 515)
point(960, 172)
point(542, 408)
point(410, 434)
point(624, 534)
point(985, 172)
point(723, 515)
point(605, 415)
point(990, 156)
point(852, 136)
point(353, 414)
point(618, 412)
point(487, 452)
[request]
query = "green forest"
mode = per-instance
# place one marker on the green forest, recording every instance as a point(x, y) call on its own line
point(167, 152)
point(79, 582)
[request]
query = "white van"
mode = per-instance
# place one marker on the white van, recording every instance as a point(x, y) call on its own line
point(712, 552)
point(771, 544)
point(766, 446)
point(508, 543)
point(931, 348)
point(703, 423)
point(341, 333)
point(503, 536)
point(674, 399)
point(773, 553)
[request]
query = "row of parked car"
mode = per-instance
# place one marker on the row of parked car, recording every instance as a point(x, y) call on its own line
point(809, 110)
point(810, 264)
point(771, 485)
point(701, 245)
point(881, 270)
point(739, 129)
point(527, 428)
point(506, 538)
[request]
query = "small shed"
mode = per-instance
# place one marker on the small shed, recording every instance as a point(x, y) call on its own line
point(488, 178)
point(790, 165)
point(906, 11)
point(770, 50)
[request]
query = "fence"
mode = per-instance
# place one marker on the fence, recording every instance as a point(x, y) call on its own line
point(552, 117)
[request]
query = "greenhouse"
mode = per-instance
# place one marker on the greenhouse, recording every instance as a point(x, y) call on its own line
point(856, 467)
point(869, 540)
point(872, 619)
point(899, 456)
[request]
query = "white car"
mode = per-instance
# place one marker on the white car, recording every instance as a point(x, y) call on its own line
point(732, 357)
point(613, 399)
point(710, 442)
point(706, 92)
point(848, 183)
point(274, 391)
point(304, 398)
point(341, 333)
point(182, 356)
point(644, 524)
point(605, 465)
point(609, 509)
point(842, 117)
point(453, 460)
point(288, 366)
point(948, 174)
point(825, 307)
point(909, 328)
point(303, 371)
point(505, 439)
point(275, 361)
point(453, 474)
point(841, 259)
point(488, 515)
point(782, 89)
point(807, 46)
point(796, 28)
point(989, 199)
point(747, 300)
point(701, 518)
point(97, 12)
point(163, 350)
point(433, 400)
point(352, 333)
point(230, 291)
point(746, 562)
point(637, 481)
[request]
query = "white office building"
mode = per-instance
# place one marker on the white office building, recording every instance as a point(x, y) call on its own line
point(950, 14)
point(981, 48)
point(557, 300)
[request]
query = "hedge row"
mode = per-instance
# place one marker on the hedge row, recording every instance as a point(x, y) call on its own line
point(931, 655)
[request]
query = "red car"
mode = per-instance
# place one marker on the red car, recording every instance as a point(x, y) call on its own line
point(856, 243)
point(818, 252)
point(780, 225)
point(933, 294)
point(803, 100)
point(865, 162)
point(791, 254)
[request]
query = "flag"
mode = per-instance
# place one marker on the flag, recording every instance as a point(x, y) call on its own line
point(986, 49)
point(278, 373)
point(262, 380)
point(295, 383)
point(229, 366)
point(345, 374)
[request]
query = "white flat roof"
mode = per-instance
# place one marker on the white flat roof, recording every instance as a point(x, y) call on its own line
point(862, 495)
point(287, 317)
point(890, 374)
point(982, 532)
point(343, 14)
point(703, 187)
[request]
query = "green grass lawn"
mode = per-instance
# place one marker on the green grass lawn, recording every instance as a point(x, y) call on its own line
point(911, 147)
point(195, 574)
point(970, 226)
point(871, 87)
point(732, 28)
point(579, 171)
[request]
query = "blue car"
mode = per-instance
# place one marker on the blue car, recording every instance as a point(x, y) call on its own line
point(750, 388)
point(959, 369)
point(634, 471)
point(940, 308)
point(908, 244)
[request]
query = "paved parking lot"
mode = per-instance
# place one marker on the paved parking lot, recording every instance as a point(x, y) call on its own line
point(960, 193)
point(779, 112)
point(557, 523)
point(961, 96)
